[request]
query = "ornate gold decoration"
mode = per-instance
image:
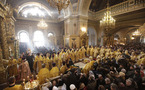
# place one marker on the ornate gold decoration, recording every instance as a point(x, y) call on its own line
point(59, 4)
point(136, 33)
point(107, 21)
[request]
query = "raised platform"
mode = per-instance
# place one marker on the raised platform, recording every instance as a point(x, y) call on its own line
point(81, 64)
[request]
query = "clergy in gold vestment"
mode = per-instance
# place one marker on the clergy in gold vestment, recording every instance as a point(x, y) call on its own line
point(56, 59)
point(12, 69)
point(63, 68)
point(91, 51)
point(73, 55)
point(76, 55)
point(80, 54)
point(83, 52)
point(86, 68)
point(59, 60)
point(38, 63)
point(133, 56)
point(54, 71)
point(20, 59)
point(88, 51)
point(95, 52)
point(43, 74)
point(46, 62)
point(12, 86)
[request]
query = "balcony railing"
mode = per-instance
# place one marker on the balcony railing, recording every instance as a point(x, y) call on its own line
point(121, 8)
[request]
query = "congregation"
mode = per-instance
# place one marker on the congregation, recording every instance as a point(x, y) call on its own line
point(108, 68)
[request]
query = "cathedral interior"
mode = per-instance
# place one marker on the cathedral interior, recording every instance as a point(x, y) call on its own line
point(51, 26)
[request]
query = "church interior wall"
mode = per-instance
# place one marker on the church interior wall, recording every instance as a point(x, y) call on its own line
point(31, 26)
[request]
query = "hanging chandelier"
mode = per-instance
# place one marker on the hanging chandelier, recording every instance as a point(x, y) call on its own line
point(42, 25)
point(136, 33)
point(59, 4)
point(107, 21)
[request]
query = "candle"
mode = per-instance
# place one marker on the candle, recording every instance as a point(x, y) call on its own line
point(28, 78)
point(32, 77)
point(24, 82)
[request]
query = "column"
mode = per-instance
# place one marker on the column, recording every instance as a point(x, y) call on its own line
point(3, 38)
point(2, 69)
point(75, 32)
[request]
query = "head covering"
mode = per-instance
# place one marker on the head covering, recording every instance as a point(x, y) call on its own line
point(91, 73)
point(90, 57)
point(72, 86)
point(123, 70)
point(54, 88)
point(82, 86)
point(121, 74)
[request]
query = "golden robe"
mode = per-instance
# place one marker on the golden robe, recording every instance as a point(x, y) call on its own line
point(95, 52)
point(143, 61)
point(86, 68)
point(88, 51)
point(47, 61)
point(12, 69)
point(73, 57)
point(63, 69)
point(19, 60)
point(16, 87)
point(54, 72)
point(91, 52)
point(83, 52)
point(139, 62)
point(43, 75)
point(80, 54)
point(59, 62)
point(38, 63)
point(76, 56)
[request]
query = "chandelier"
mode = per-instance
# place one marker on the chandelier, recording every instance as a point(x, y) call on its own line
point(107, 21)
point(59, 4)
point(136, 33)
point(42, 25)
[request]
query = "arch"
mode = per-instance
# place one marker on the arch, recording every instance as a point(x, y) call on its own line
point(84, 7)
point(50, 34)
point(51, 40)
point(23, 36)
point(92, 36)
point(39, 9)
point(38, 38)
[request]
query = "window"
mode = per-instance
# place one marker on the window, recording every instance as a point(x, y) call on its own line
point(38, 39)
point(50, 35)
point(23, 37)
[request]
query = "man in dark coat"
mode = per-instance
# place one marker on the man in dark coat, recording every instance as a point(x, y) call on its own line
point(30, 61)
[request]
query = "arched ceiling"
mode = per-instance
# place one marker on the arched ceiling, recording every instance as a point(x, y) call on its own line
point(97, 5)
point(51, 13)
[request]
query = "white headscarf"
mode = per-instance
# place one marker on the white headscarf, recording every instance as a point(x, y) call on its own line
point(72, 86)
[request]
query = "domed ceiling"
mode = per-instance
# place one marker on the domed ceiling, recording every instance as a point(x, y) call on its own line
point(97, 5)
point(35, 9)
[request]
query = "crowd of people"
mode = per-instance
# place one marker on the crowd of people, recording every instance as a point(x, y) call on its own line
point(108, 68)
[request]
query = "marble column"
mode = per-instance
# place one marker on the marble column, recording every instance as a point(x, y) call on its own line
point(3, 38)
point(73, 32)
